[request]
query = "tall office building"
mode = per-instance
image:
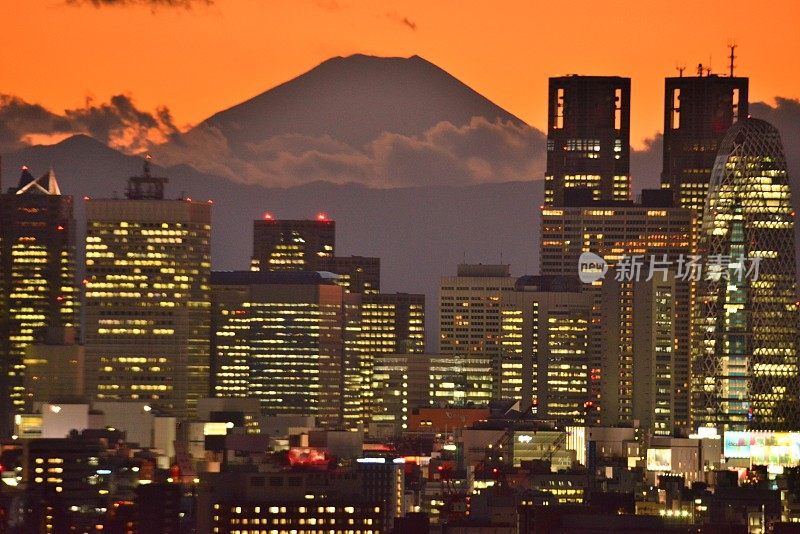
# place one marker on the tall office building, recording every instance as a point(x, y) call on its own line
point(588, 138)
point(470, 326)
point(292, 245)
point(643, 314)
point(400, 383)
point(546, 324)
point(649, 230)
point(654, 336)
point(37, 277)
point(376, 324)
point(355, 405)
point(698, 111)
point(404, 383)
point(745, 361)
point(309, 245)
point(278, 337)
point(390, 323)
point(148, 297)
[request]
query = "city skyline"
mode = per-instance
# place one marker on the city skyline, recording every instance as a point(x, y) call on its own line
point(372, 300)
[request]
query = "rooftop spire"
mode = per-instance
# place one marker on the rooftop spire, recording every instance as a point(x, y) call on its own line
point(46, 183)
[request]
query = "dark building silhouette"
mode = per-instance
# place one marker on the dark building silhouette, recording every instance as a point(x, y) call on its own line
point(588, 137)
point(698, 110)
point(37, 277)
point(64, 492)
point(292, 245)
point(158, 508)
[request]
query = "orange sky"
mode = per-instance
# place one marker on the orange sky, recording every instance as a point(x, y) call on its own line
point(202, 60)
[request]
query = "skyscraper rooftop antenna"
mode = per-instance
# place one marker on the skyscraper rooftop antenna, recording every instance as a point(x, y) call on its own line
point(732, 45)
point(680, 68)
point(146, 186)
point(146, 166)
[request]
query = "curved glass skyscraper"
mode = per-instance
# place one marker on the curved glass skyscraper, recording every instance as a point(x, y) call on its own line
point(745, 364)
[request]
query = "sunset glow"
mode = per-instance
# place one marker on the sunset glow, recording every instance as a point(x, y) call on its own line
point(197, 61)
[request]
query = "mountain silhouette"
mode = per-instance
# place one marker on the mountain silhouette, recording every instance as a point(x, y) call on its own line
point(382, 122)
point(354, 99)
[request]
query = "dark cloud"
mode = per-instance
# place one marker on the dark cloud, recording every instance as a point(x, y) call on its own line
point(118, 123)
point(186, 4)
point(19, 119)
point(401, 19)
point(410, 23)
point(478, 152)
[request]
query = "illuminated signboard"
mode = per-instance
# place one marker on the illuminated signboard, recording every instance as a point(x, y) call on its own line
point(764, 448)
point(215, 429)
point(659, 459)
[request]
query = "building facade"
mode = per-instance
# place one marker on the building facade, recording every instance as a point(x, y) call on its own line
point(390, 323)
point(745, 363)
point(651, 231)
point(278, 337)
point(339, 501)
point(588, 138)
point(698, 111)
point(38, 290)
point(470, 326)
point(546, 324)
point(357, 274)
point(292, 245)
point(148, 297)
point(653, 338)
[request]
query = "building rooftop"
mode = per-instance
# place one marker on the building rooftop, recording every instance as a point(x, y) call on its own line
point(271, 277)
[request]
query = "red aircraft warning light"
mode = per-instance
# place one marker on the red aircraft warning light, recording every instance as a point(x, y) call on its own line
point(322, 216)
point(268, 216)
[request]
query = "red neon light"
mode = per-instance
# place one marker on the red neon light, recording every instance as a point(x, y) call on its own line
point(308, 457)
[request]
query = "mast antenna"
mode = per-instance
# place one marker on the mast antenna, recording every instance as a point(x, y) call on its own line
point(732, 45)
